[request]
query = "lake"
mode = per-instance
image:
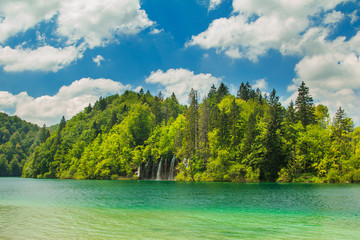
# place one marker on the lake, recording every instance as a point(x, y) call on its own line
point(86, 209)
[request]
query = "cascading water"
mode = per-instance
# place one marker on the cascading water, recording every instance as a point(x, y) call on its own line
point(158, 175)
point(171, 171)
point(139, 172)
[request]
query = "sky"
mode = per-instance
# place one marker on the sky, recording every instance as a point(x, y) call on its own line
point(57, 56)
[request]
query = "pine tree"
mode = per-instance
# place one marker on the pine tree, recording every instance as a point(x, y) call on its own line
point(274, 157)
point(62, 123)
point(113, 119)
point(44, 134)
point(222, 91)
point(102, 104)
point(290, 113)
point(342, 125)
point(88, 109)
point(246, 92)
point(141, 92)
point(304, 106)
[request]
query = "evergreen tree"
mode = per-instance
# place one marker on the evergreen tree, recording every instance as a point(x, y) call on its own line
point(44, 134)
point(88, 109)
point(113, 119)
point(274, 157)
point(290, 113)
point(246, 92)
point(142, 91)
point(62, 123)
point(304, 106)
point(222, 91)
point(102, 104)
point(342, 125)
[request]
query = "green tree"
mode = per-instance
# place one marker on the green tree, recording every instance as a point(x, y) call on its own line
point(44, 134)
point(222, 92)
point(304, 106)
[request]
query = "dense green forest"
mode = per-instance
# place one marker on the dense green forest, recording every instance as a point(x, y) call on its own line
point(249, 137)
point(17, 140)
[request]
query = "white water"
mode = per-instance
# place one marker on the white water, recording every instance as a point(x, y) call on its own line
point(158, 176)
point(171, 171)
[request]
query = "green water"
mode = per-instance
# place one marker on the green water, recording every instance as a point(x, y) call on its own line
point(72, 209)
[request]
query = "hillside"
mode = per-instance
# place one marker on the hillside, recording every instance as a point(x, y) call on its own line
point(247, 138)
point(18, 139)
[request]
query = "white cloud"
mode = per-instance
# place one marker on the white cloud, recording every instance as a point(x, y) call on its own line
point(44, 58)
point(180, 81)
point(138, 88)
point(156, 31)
point(98, 60)
point(331, 69)
point(333, 17)
point(79, 25)
point(257, 26)
point(10, 101)
point(354, 16)
point(214, 4)
point(98, 22)
point(261, 84)
point(69, 100)
point(20, 15)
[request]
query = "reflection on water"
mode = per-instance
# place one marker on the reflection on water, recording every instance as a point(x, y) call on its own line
point(71, 209)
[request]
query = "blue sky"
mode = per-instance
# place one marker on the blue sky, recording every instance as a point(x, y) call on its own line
point(56, 56)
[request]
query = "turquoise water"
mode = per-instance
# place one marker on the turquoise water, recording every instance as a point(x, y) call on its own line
point(73, 209)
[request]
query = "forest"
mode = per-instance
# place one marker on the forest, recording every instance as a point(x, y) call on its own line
point(249, 137)
point(17, 140)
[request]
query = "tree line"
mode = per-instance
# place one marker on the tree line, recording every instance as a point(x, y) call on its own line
point(249, 137)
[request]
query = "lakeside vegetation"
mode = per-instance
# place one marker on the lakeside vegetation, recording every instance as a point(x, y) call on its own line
point(249, 137)
point(18, 139)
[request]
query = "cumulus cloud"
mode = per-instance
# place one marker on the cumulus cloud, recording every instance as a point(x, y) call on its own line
point(10, 101)
point(44, 58)
point(261, 84)
point(354, 16)
point(180, 81)
point(329, 66)
point(19, 16)
point(332, 71)
point(214, 4)
point(257, 26)
point(98, 60)
point(69, 100)
point(98, 22)
point(333, 17)
point(79, 25)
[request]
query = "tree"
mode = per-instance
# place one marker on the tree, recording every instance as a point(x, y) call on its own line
point(290, 115)
point(304, 106)
point(322, 115)
point(222, 91)
point(62, 123)
point(44, 134)
point(342, 125)
point(274, 157)
point(246, 92)
point(88, 109)
point(113, 119)
point(102, 104)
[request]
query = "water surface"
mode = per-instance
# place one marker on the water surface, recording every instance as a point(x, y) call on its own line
point(74, 209)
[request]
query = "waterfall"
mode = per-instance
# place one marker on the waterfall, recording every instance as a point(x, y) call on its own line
point(139, 171)
point(158, 176)
point(171, 171)
point(185, 162)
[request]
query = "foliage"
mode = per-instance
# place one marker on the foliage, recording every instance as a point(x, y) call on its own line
point(17, 140)
point(243, 138)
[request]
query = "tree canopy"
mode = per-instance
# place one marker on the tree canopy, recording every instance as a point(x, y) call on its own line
point(244, 138)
